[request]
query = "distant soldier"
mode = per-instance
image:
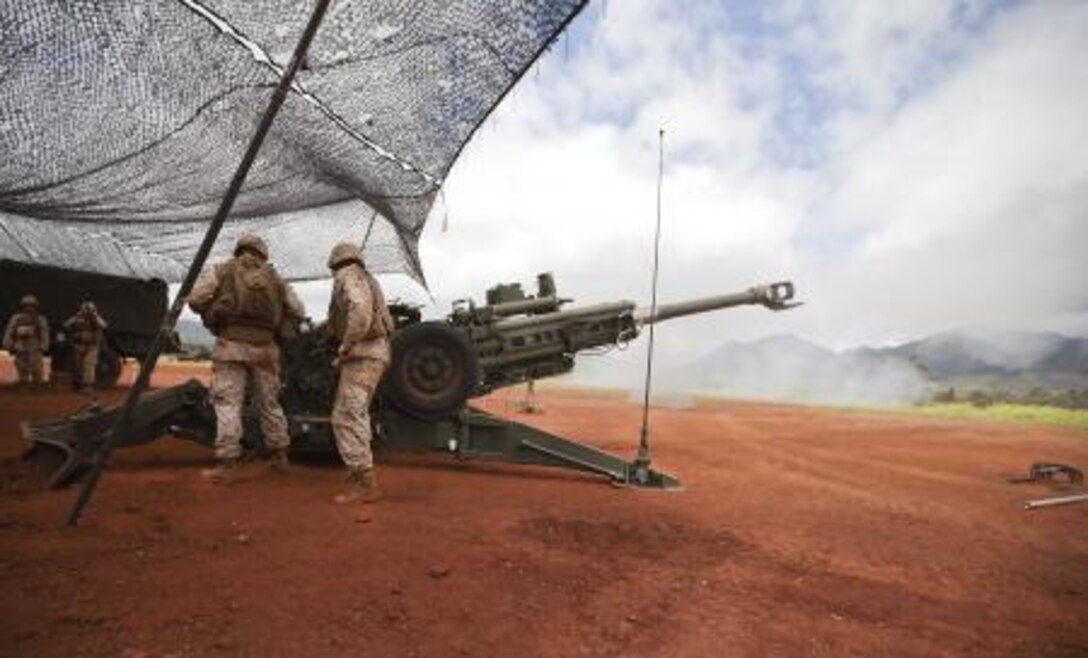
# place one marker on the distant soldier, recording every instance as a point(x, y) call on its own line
point(246, 304)
point(27, 338)
point(86, 330)
point(360, 324)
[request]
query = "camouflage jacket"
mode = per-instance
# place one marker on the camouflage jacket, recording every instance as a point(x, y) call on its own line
point(85, 329)
point(359, 320)
point(27, 332)
point(200, 300)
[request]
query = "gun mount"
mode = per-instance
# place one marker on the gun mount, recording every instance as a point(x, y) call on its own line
point(422, 404)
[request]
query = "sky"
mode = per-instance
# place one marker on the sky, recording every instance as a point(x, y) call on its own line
point(913, 167)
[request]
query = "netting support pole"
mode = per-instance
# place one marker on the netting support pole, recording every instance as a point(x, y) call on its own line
point(147, 365)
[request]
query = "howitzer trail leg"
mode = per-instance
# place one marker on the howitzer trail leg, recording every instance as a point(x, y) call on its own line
point(474, 434)
point(65, 445)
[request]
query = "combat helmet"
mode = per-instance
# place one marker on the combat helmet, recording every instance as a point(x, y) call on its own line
point(253, 243)
point(343, 254)
point(28, 301)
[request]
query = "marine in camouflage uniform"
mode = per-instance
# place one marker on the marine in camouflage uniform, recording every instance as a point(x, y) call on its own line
point(86, 330)
point(360, 323)
point(26, 337)
point(246, 304)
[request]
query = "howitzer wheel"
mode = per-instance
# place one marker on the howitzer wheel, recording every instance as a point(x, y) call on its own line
point(433, 372)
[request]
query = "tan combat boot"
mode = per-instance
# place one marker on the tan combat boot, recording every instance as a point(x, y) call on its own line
point(362, 487)
point(277, 461)
point(223, 472)
point(369, 486)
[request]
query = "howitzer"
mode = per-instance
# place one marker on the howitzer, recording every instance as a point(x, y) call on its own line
point(437, 367)
point(516, 338)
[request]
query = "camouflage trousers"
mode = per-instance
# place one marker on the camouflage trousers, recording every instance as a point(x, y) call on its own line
point(229, 397)
point(28, 366)
point(86, 363)
point(351, 411)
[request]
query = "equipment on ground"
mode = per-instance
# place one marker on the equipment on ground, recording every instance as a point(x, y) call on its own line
point(1054, 502)
point(133, 308)
point(1045, 472)
point(437, 367)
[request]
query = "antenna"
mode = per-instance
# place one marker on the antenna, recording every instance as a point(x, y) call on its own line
point(642, 461)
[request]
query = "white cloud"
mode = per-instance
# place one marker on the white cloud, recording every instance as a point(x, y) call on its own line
point(971, 200)
point(914, 167)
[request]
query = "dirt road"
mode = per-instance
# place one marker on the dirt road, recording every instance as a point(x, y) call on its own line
point(800, 532)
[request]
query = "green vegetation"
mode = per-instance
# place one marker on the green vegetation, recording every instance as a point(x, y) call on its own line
point(1073, 398)
point(1037, 405)
point(1021, 413)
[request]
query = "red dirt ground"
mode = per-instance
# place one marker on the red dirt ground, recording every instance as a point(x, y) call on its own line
point(801, 532)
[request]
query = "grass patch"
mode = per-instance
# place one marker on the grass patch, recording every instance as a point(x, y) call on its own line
point(1017, 413)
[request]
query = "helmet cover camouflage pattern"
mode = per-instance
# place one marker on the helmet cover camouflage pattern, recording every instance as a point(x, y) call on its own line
point(251, 242)
point(344, 253)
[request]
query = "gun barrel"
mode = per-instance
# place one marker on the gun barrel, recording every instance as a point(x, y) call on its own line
point(605, 310)
point(537, 305)
point(775, 296)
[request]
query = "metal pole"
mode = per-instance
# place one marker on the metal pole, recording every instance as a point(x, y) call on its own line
point(642, 461)
point(151, 358)
point(1054, 502)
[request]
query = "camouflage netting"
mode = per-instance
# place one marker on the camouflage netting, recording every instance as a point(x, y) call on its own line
point(121, 123)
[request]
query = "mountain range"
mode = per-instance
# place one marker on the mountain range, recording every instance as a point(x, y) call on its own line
point(789, 368)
